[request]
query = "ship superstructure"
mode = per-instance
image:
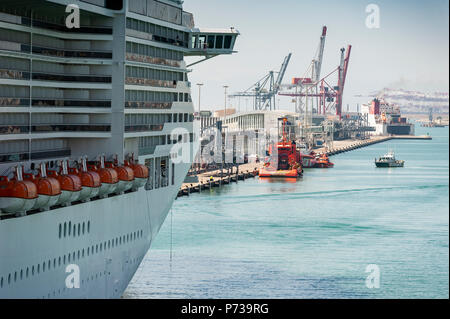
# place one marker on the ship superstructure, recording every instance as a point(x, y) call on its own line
point(90, 120)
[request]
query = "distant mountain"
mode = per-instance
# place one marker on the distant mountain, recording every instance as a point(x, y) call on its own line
point(414, 101)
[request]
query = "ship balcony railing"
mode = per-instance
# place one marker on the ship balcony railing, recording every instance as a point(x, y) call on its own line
point(153, 60)
point(26, 21)
point(14, 102)
point(14, 129)
point(144, 128)
point(150, 82)
point(56, 52)
point(42, 102)
point(157, 38)
point(46, 76)
point(148, 105)
point(35, 155)
point(48, 102)
point(50, 76)
point(48, 128)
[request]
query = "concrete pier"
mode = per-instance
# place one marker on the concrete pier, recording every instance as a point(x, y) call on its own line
point(350, 145)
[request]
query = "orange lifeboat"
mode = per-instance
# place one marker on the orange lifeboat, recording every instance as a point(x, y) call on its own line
point(48, 188)
point(70, 185)
point(108, 177)
point(90, 180)
point(17, 196)
point(141, 173)
point(126, 176)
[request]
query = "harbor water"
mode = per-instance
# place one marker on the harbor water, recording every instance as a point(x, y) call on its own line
point(313, 238)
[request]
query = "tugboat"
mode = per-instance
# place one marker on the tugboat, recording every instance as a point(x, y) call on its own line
point(284, 161)
point(388, 160)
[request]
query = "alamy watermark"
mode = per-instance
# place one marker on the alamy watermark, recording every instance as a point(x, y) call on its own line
point(373, 19)
point(73, 279)
point(73, 19)
point(373, 279)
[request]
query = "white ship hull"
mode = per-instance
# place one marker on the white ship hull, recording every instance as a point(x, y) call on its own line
point(111, 237)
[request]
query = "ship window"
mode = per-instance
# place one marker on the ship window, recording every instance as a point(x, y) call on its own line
point(9, 278)
point(1, 283)
point(65, 229)
point(21, 274)
point(180, 117)
point(89, 227)
point(83, 227)
point(70, 227)
point(43, 267)
point(227, 43)
point(210, 41)
point(194, 41)
point(27, 272)
point(15, 276)
point(60, 229)
point(219, 42)
point(78, 254)
point(68, 258)
point(38, 268)
point(79, 229)
point(74, 230)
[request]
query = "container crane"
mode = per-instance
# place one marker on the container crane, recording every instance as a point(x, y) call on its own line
point(265, 90)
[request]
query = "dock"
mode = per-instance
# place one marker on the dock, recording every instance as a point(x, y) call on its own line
point(350, 145)
point(217, 178)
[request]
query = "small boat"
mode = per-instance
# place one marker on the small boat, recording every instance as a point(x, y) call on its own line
point(48, 188)
point(285, 159)
point(141, 173)
point(90, 180)
point(388, 160)
point(70, 184)
point(125, 174)
point(323, 161)
point(108, 177)
point(17, 196)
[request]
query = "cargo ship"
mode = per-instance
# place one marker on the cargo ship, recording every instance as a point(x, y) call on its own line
point(93, 118)
point(386, 118)
point(285, 160)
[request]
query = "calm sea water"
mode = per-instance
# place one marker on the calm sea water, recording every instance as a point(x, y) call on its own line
point(313, 238)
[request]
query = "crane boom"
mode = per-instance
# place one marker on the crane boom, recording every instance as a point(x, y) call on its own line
point(282, 71)
point(318, 61)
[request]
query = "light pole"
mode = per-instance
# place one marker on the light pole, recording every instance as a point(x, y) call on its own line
point(199, 96)
point(225, 112)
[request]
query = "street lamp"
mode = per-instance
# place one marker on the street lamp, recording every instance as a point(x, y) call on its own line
point(225, 113)
point(199, 96)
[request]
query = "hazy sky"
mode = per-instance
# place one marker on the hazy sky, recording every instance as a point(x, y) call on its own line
point(410, 49)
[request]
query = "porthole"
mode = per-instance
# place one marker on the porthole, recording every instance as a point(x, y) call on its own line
point(65, 229)
point(83, 227)
point(89, 227)
point(60, 229)
point(70, 228)
point(74, 230)
point(79, 229)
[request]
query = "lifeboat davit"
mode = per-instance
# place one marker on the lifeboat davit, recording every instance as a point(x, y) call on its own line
point(126, 176)
point(108, 177)
point(48, 188)
point(17, 196)
point(90, 181)
point(70, 185)
point(141, 173)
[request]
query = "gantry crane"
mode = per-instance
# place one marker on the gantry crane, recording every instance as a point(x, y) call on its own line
point(265, 90)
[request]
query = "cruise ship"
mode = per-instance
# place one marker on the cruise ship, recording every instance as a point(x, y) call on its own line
point(95, 114)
